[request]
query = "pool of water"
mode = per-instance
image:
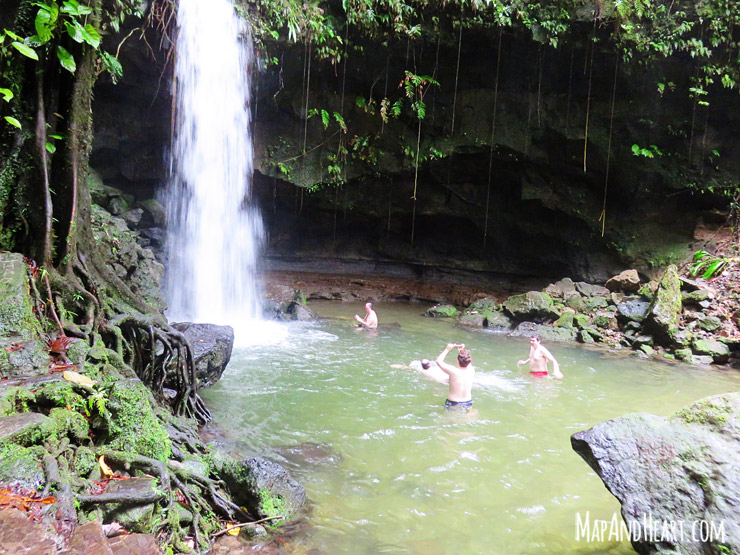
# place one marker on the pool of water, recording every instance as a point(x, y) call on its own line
point(390, 471)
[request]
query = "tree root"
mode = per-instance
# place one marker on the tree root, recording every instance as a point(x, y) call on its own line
point(123, 498)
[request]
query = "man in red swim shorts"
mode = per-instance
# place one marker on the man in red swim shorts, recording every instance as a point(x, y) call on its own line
point(538, 357)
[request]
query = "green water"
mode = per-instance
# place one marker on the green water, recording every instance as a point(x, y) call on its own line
point(390, 471)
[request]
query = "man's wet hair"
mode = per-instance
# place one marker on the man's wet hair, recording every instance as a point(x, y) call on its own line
point(425, 364)
point(537, 337)
point(463, 358)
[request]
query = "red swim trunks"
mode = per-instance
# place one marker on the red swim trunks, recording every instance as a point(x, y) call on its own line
point(538, 374)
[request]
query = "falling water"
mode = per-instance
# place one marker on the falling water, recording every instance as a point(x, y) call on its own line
point(214, 234)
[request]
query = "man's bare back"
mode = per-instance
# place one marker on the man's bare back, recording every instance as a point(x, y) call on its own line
point(461, 376)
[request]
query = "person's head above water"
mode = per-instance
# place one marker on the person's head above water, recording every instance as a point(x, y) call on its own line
point(463, 358)
point(425, 364)
point(368, 306)
point(535, 339)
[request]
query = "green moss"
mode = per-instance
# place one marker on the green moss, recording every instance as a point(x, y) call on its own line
point(272, 505)
point(17, 400)
point(134, 427)
point(70, 423)
point(84, 461)
point(60, 394)
point(21, 464)
point(714, 411)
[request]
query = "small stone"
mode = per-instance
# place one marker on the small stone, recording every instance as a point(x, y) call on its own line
point(627, 281)
point(710, 323)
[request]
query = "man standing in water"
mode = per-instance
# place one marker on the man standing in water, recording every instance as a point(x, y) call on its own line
point(370, 321)
point(538, 357)
point(461, 377)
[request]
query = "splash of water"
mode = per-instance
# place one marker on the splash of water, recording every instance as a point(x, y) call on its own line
point(214, 234)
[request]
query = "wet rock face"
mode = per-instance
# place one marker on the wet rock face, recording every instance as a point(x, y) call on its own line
point(685, 468)
point(21, 351)
point(212, 346)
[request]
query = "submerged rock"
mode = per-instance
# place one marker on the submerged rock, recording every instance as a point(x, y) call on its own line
point(685, 468)
point(442, 311)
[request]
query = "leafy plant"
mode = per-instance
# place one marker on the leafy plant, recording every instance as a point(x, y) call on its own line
point(651, 152)
point(708, 265)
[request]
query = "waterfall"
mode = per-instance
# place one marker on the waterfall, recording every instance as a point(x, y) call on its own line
point(213, 233)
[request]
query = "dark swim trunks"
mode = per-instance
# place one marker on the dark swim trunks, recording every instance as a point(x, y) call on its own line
point(458, 405)
point(538, 374)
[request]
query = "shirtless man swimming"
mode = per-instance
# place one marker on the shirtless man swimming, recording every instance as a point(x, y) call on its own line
point(538, 357)
point(426, 367)
point(370, 321)
point(461, 376)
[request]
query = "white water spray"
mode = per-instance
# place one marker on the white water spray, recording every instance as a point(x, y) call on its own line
point(214, 234)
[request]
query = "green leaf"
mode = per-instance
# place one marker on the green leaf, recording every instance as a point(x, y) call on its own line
point(698, 255)
point(50, 147)
point(66, 59)
point(72, 7)
point(12, 121)
point(25, 50)
point(325, 118)
point(715, 268)
point(7, 94)
point(55, 136)
point(636, 150)
point(111, 65)
point(74, 30)
point(340, 121)
point(12, 35)
point(43, 26)
point(91, 36)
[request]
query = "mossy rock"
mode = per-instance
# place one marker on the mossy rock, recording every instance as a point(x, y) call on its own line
point(70, 423)
point(683, 354)
point(22, 466)
point(711, 347)
point(596, 303)
point(713, 411)
point(576, 302)
point(84, 461)
point(262, 486)
point(531, 306)
point(135, 518)
point(22, 353)
point(442, 311)
point(566, 320)
point(581, 321)
point(25, 428)
point(709, 323)
point(665, 311)
point(134, 426)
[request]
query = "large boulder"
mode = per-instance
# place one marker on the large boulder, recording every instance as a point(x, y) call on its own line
point(21, 351)
point(665, 310)
point(591, 290)
point(561, 289)
point(263, 487)
point(682, 469)
point(532, 306)
point(547, 333)
point(626, 282)
point(212, 346)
